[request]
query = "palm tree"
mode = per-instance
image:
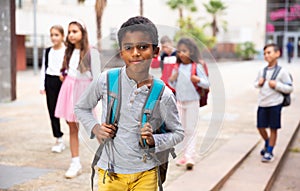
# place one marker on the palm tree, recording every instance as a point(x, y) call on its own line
point(99, 9)
point(215, 8)
point(141, 7)
point(182, 4)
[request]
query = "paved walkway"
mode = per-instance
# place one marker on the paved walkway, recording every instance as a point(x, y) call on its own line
point(288, 177)
point(26, 162)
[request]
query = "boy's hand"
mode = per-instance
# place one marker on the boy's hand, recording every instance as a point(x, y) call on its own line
point(147, 133)
point(42, 92)
point(261, 81)
point(195, 79)
point(104, 131)
point(272, 84)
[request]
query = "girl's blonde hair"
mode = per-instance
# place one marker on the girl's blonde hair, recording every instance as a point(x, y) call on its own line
point(59, 28)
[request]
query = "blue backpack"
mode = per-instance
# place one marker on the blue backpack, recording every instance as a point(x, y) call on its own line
point(113, 110)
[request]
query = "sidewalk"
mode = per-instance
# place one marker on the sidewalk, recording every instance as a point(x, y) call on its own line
point(26, 162)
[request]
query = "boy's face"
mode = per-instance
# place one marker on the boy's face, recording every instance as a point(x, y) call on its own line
point(167, 48)
point(270, 54)
point(137, 51)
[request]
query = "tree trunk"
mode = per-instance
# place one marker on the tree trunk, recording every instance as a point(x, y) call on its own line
point(180, 13)
point(214, 26)
point(99, 8)
point(180, 18)
point(141, 7)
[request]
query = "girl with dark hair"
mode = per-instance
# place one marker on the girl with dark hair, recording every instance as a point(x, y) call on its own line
point(183, 80)
point(80, 62)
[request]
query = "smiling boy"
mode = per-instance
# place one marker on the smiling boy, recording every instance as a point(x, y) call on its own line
point(138, 41)
point(270, 99)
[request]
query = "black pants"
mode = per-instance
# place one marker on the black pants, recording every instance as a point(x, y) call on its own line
point(52, 87)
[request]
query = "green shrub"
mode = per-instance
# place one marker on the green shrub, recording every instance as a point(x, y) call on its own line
point(246, 50)
point(190, 29)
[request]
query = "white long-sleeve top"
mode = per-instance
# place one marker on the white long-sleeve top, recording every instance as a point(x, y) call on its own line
point(95, 64)
point(185, 89)
point(271, 97)
point(55, 60)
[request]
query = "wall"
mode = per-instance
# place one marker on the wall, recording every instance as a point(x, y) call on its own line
point(7, 51)
point(246, 18)
point(21, 53)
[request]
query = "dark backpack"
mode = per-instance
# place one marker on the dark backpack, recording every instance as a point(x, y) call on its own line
point(201, 91)
point(286, 97)
point(47, 50)
point(113, 111)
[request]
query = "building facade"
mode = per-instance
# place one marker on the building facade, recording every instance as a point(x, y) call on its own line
point(283, 24)
point(246, 19)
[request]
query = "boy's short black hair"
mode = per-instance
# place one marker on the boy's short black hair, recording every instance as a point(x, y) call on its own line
point(275, 46)
point(142, 24)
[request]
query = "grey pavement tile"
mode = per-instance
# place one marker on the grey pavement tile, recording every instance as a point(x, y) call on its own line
point(13, 175)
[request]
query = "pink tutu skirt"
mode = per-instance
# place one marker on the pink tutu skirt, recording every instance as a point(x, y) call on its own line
point(70, 92)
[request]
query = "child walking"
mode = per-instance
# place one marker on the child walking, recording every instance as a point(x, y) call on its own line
point(270, 99)
point(79, 64)
point(130, 170)
point(184, 82)
point(167, 58)
point(50, 82)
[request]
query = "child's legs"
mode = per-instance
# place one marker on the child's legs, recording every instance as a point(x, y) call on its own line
point(192, 111)
point(143, 181)
point(263, 133)
point(118, 182)
point(263, 121)
point(275, 123)
point(273, 137)
point(189, 116)
point(74, 140)
point(182, 115)
point(52, 87)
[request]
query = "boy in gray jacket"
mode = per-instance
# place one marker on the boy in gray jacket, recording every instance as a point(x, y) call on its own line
point(270, 99)
point(138, 41)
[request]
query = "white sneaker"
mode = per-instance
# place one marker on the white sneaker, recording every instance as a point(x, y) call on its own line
point(74, 170)
point(58, 147)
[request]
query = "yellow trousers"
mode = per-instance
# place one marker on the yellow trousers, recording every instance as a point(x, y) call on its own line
point(142, 181)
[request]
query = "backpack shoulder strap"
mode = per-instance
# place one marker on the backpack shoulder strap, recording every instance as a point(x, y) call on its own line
point(194, 72)
point(204, 65)
point(276, 72)
point(265, 72)
point(194, 69)
point(113, 95)
point(154, 95)
point(113, 109)
point(152, 99)
point(47, 57)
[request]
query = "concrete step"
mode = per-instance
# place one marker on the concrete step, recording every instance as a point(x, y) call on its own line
point(288, 175)
point(212, 171)
point(255, 175)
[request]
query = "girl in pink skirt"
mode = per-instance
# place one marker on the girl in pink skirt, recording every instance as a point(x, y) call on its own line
point(80, 62)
